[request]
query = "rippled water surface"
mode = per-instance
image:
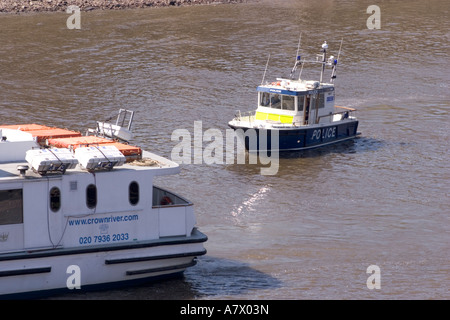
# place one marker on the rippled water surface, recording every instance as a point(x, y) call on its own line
point(312, 230)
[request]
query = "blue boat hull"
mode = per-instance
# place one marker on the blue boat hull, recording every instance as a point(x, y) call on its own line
point(294, 139)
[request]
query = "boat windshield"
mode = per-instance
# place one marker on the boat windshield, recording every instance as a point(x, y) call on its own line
point(277, 101)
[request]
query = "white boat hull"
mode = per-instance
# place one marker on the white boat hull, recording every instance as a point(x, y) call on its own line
point(40, 273)
point(85, 218)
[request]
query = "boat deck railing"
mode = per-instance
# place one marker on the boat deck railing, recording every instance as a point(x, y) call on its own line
point(247, 116)
point(165, 198)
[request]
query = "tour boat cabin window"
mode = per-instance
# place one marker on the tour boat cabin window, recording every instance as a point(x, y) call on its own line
point(55, 199)
point(11, 206)
point(133, 193)
point(91, 196)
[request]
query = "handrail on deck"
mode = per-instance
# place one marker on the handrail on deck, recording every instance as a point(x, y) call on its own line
point(346, 108)
point(247, 114)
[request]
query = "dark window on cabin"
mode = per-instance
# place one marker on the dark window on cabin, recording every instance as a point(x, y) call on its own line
point(270, 100)
point(275, 101)
point(317, 101)
point(91, 196)
point(288, 103)
point(300, 102)
point(55, 199)
point(321, 100)
point(265, 99)
point(133, 193)
point(11, 206)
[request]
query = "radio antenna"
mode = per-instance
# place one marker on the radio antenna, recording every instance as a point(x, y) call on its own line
point(264, 76)
point(297, 57)
point(335, 62)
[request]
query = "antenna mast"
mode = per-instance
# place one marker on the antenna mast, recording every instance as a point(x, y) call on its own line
point(297, 58)
point(264, 76)
point(324, 59)
point(333, 73)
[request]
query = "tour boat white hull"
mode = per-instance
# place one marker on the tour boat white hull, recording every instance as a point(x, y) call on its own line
point(40, 273)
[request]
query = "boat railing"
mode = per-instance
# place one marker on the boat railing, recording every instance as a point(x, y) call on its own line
point(165, 198)
point(247, 116)
point(346, 113)
point(120, 130)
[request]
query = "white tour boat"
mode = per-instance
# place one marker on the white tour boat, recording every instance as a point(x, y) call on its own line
point(301, 113)
point(82, 212)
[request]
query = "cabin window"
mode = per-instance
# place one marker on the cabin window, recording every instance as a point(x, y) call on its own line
point(55, 199)
point(265, 99)
point(91, 196)
point(11, 206)
point(288, 103)
point(321, 101)
point(133, 193)
point(300, 103)
point(315, 101)
point(275, 101)
point(270, 100)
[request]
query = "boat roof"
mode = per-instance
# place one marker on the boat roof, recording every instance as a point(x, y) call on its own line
point(16, 140)
point(295, 87)
point(149, 161)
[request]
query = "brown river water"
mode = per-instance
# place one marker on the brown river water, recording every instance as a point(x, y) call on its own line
point(312, 230)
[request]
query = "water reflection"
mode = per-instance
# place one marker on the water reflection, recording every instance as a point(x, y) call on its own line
point(220, 278)
point(211, 278)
